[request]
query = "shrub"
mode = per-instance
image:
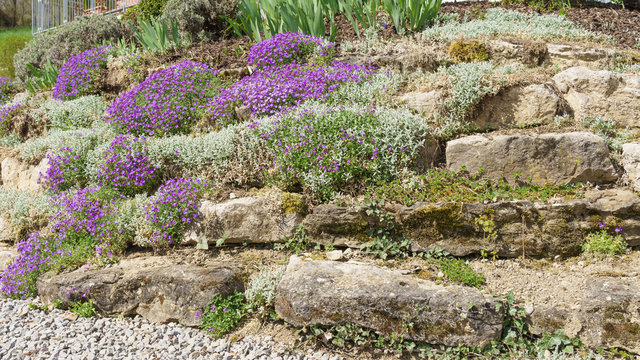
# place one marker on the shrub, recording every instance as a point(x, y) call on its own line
point(287, 48)
point(172, 209)
point(57, 45)
point(468, 51)
point(326, 148)
point(78, 74)
point(6, 89)
point(200, 18)
point(223, 314)
point(78, 113)
point(148, 9)
point(602, 243)
point(9, 46)
point(276, 88)
point(126, 166)
point(167, 102)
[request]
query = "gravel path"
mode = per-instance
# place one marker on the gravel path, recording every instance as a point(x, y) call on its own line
point(34, 334)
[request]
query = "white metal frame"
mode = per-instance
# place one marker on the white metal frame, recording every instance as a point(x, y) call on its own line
point(49, 14)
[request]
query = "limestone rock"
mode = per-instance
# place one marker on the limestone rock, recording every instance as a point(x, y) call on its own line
point(337, 225)
point(575, 55)
point(631, 164)
point(602, 318)
point(154, 288)
point(591, 93)
point(429, 103)
point(557, 227)
point(518, 106)
point(532, 53)
point(7, 256)
point(331, 293)
point(535, 229)
point(549, 158)
point(21, 176)
point(6, 231)
point(250, 219)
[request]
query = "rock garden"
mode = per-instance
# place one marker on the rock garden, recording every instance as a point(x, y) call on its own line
point(324, 179)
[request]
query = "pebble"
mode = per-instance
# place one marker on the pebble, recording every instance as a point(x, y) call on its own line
point(35, 334)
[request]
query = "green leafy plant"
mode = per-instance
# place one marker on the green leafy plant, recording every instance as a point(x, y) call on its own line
point(296, 243)
point(84, 309)
point(157, 36)
point(414, 14)
point(602, 243)
point(608, 130)
point(148, 9)
point(363, 13)
point(459, 271)
point(41, 79)
point(34, 306)
point(261, 291)
point(383, 242)
point(223, 314)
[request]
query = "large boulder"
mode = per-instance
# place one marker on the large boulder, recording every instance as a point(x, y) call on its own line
point(518, 106)
point(155, 288)
point(575, 55)
point(333, 293)
point(631, 164)
point(22, 176)
point(604, 315)
point(591, 93)
point(545, 159)
point(257, 219)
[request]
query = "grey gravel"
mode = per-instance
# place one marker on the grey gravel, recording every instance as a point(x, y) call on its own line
point(35, 334)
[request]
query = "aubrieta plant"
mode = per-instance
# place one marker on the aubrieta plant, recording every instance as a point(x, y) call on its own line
point(287, 48)
point(6, 112)
point(65, 170)
point(172, 209)
point(34, 256)
point(126, 166)
point(168, 102)
point(6, 89)
point(79, 72)
point(276, 88)
point(324, 148)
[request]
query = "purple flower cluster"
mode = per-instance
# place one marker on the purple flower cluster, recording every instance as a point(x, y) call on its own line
point(287, 48)
point(277, 88)
point(337, 144)
point(35, 253)
point(126, 165)
point(65, 170)
point(87, 212)
point(79, 72)
point(5, 89)
point(173, 208)
point(6, 113)
point(168, 102)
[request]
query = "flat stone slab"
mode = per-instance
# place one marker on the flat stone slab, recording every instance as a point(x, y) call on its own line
point(545, 159)
point(155, 288)
point(332, 293)
point(254, 219)
point(606, 316)
point(535, 229)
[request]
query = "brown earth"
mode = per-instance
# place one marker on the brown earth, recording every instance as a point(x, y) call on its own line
point(623, 25)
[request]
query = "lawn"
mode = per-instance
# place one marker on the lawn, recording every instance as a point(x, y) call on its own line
point(12, 40)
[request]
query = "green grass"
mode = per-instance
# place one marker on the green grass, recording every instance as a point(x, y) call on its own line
point(12, 40)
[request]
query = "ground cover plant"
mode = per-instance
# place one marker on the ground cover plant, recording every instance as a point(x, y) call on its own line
point(152, 107)
point(79, 72)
